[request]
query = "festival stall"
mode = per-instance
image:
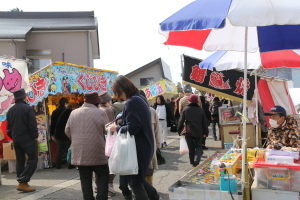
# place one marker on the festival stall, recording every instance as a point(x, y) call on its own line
point(59, 80)
point(219, 176)
point(229, 84)
point(163, 87)
point(274, 174)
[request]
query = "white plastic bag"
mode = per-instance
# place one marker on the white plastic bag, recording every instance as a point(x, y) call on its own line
point(123, 158)
point(110, 141)
point(183, 148)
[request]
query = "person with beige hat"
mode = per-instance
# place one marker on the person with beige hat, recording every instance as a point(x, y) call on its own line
point(106, 106)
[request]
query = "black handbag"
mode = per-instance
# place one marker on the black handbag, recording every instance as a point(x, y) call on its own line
point(160, 158)
point(173, 127)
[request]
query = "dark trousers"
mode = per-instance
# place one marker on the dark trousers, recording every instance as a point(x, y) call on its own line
point(86, 179)
point(124, 186)
point(62, 148)
point(203, 141)
point(144, 191)
point(195, 148)
point(25, 172)
point(214, 123)
point(141, 191)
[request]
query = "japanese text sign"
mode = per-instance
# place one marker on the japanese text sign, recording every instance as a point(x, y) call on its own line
point(68, 78)
point(229, 84)
point(159, 88)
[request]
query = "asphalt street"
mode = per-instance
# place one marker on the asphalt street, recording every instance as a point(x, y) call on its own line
point(65, 184)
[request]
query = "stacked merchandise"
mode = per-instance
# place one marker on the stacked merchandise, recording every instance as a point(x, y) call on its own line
point(277, 173)
point(204, 182)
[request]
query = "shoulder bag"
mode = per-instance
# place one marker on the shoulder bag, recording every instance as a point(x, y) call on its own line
point(186, 131)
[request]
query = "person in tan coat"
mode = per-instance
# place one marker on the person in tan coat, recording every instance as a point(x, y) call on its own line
point(106, 106)
point(86, 129)
point(184, 102)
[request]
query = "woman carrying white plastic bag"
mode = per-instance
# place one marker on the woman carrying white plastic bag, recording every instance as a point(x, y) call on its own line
point(136, 119)
point(123, 158)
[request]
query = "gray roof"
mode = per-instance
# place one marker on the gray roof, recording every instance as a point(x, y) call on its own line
point(165, 69)
point(17, 25)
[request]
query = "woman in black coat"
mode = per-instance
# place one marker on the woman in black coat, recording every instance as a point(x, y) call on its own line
point(195, 118)
point(136, 119)
point(165, 116)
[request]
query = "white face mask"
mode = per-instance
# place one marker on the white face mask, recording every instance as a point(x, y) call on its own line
point(273, 123)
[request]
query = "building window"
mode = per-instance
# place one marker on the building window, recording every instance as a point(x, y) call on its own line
point(146, 81)
point(39, 52)
point(38, 64)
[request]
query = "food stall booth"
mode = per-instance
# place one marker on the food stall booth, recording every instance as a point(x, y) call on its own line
point(57, 80)
point(218, 177)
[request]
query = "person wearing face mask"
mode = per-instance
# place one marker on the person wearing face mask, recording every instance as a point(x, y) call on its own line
point(283, 131)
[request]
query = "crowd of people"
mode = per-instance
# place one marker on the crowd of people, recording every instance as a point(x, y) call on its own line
point(83, 130)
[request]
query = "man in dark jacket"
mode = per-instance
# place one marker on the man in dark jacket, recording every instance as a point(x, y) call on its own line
point(214, 110)
point(22, 128)
point(63, 103)
point(63, 142)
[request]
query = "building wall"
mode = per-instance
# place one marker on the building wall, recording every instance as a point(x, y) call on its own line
point(152, 71)
point(7, 48)
point(70, 47)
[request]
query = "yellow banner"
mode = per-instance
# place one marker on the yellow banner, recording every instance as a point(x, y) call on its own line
point(160, 88)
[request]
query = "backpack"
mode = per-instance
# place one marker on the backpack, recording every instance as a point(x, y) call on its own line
point(215, 109)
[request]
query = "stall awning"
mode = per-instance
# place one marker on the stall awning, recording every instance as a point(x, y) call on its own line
point(159, 88)
point(66, 78)
point(228, 84)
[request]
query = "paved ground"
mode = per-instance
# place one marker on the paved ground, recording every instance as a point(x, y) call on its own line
point(65, 184)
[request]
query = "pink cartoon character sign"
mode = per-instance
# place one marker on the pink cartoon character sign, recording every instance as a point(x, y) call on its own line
point(13, 76)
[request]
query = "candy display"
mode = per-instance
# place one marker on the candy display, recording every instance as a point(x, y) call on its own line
point(230, 161)
point(205, 174)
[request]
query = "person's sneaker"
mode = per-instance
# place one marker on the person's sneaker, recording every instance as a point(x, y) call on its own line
point(111, 188)
point(24, 187)
point(204, 148)
point(165, 144)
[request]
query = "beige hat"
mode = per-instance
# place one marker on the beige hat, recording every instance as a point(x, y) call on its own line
point(105, 97)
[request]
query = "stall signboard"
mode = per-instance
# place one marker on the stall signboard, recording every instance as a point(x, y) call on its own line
point(13, 76)
point(41, 119)
point(228, 84)
point(159, 88)
point(66, 78)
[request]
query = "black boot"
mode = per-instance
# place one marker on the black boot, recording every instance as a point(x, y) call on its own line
point(128, 197)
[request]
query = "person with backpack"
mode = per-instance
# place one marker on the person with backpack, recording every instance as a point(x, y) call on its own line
point(214, 110)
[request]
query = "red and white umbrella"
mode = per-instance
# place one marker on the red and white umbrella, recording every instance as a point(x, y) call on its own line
point(226, 60)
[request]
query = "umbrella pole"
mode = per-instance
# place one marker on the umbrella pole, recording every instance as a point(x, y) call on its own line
point(256, 111)
point(245, 176)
